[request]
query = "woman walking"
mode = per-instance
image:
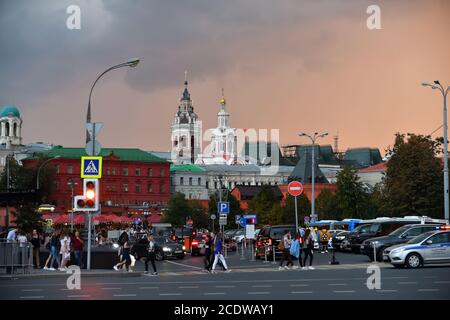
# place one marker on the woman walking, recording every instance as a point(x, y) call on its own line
point(65, 251)
point(125, 254)
point(151, 253)
point(54, 253)
point(285, 246)
point(308, 248)
point(296, 250)
point(36, 242)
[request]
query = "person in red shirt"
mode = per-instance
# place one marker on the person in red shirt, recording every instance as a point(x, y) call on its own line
point(77, 245)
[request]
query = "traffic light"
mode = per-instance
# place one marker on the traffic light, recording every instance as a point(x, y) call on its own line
point(89, 201)
point(250, 221)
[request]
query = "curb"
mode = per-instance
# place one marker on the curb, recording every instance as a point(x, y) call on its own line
point(65, 275)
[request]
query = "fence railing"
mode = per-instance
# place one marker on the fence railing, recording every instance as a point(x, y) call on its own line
point(15, 257)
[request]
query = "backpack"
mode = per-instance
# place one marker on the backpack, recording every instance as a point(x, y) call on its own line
point(281, 245)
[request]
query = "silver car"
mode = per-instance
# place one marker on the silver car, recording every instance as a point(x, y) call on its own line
point(430, 247)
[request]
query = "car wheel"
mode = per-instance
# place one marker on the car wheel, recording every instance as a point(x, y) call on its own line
point(180, 256)
point(413, 260)
point(159, 256)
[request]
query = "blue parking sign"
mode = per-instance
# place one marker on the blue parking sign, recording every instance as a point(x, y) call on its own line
point(223, 207)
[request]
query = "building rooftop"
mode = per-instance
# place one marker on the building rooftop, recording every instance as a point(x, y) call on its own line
point(381, 167)
point(186, 168)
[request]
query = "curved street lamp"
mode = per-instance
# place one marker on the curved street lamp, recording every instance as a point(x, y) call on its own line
point(313, 139)
point(437, 85)
point(132, 63)
point(40, 167)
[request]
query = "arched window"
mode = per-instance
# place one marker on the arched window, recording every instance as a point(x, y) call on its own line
point(15, 130)
point(7, 129)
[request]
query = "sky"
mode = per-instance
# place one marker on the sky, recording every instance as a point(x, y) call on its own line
point(292, 65)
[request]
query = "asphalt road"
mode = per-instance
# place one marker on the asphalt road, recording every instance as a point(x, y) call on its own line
point(248, 280)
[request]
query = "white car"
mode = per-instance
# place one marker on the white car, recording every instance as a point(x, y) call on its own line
point(427, 248)
point(239, 236)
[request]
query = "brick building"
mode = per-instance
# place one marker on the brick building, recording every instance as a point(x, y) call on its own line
point(133, 181)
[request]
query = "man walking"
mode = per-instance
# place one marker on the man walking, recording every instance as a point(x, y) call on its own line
point(151, 252)
point(77, 245)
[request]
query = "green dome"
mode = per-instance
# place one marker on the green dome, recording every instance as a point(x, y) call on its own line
point(5, 111)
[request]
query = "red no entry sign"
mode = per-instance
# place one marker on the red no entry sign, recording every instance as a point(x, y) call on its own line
point(295, 188)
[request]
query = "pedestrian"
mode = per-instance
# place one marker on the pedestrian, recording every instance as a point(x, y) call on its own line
point(53, 246)
point(64, 250)
point(12, 235)
point(218, 254)
point(125, 260)
point(151, 254)
point(325, 237)
point(284, 246)
point(308, 248)
point(207, 259)
point(36, 242)
point(296, 250)
point(77, 245)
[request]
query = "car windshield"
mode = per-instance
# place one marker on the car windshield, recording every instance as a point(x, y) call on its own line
point(361, 228)
point(420, 238)
point(164, 241)
point(278, 233)
point(239, 233)
point(399, 231)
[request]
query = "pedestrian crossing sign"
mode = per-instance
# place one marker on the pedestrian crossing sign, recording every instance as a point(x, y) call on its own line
point(91, 167)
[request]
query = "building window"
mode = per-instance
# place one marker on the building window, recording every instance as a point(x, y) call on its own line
point(108, 188)
point(181, 181)
point(56, 185)
point(113, 171)
point(125, 187)
point(199, 181)
point(69, 168)
point(57, 168)
point(125, 171)
point(108, 171)
point(161, 188)
point(161, 172)
point(138, 172)
point(149, 188)
point(149, 172)
point(207, 184)
point(190, 181)
point(138, 188)
point(113, 188)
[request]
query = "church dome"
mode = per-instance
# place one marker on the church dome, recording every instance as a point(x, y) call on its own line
point(9, 110)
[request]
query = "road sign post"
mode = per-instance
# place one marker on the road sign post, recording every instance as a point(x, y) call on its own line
point(295, 189)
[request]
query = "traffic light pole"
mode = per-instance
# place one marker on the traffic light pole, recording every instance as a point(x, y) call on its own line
point(89, 241)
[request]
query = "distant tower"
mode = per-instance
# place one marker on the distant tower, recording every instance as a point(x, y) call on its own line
point(186, 130)
point(336, 139)
point(10, 126)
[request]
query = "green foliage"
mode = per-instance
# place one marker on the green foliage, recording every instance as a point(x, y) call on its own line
point(28, 218)
point(327, 206)
point(351, 194)
point(413, 181)
point(178, 210)
point(262, 205)
point(199, 215)
point(303, 209)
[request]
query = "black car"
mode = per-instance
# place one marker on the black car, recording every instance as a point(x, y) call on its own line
point(165, 248)
point(269, 238)
point(338, 237)
point(401, 235)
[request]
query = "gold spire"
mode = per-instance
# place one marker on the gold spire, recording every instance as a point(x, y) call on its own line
point(222, 100)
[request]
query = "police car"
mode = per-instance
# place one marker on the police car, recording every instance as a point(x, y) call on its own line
point(427, 248)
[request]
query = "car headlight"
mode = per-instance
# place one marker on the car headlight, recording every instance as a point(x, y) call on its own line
point(184, 248)
point(166, 249)
point(397, 250)
point(340, 237)
point(115, 246)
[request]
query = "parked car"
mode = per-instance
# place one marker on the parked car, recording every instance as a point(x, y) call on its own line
point(165, 248)
point(401, 235)
point(239, 236)
point(268, 238)
point(382, 227)
point(338, 237)
point(427, 248)
point(198, 245)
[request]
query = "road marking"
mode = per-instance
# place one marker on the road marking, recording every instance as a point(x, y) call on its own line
point(184, 265)
point(265, 292)
point(188, 287)
point(299, 285)
point(32, 297)
point(295, 292)
point(344, 291)
point(170, 294)
point(213, 293)
point(79, 296)
point(31, 290)
point(429, 290)
point(225, 286)
point(111, 288)
point(408, 282)
point(386, 290)
point(147, 288)
point(338, 284)
point(262, 286)
point(125, 295)
point(441, 281)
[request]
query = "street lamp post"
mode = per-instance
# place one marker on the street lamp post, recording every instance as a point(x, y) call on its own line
point(437, 85)
point(313, 139)
point(72, 183)
point(40, 167)
point(132, 63)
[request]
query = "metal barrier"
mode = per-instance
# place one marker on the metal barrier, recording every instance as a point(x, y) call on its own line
point(273, 255)
point(266, 248)
point(16, 257)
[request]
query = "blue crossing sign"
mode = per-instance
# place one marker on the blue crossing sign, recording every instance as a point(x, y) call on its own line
point(223, 207)
point(91, 167)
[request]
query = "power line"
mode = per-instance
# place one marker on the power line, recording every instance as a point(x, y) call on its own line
point(436, 129)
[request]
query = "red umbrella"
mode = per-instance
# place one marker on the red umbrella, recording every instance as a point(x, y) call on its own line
point(154, 218)
point(101, 218)
point(62, 218)
point(79, 219)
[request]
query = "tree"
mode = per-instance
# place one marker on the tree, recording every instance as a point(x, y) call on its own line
point(327, 205)
point(303, 209)
point(200, 215)
point(178, 210)
point(350, 194)
point(28, 218)
point(262, 205)
point(413, 181)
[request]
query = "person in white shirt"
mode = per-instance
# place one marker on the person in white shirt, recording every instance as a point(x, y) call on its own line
point(65, 251)
point(11, 235)
point(22, 238)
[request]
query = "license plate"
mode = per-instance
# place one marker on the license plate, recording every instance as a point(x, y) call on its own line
point(178, 251)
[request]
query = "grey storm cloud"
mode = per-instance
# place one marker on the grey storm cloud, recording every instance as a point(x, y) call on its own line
point(40, 56)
